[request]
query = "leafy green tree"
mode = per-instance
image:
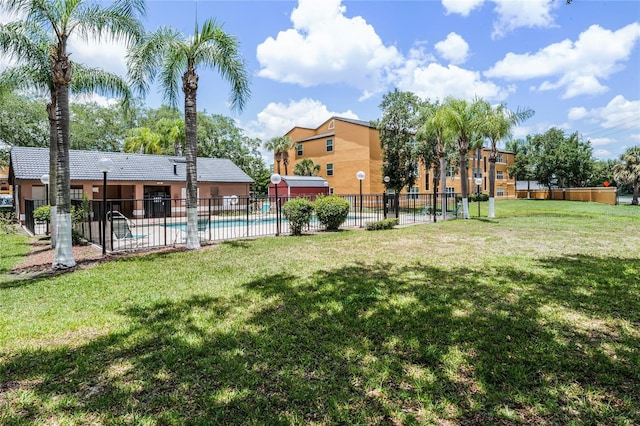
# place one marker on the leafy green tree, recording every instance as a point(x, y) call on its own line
point(397, 128)
point(176, 56)
point(563, 160)
point(463, 119)
point(628, 171)
point(603, 171)
point(523, 165)
point(60, 19)
point(280, 146)
point(98, 128)
point(306, 167)
point(143, 141)
point(172, 135)
point(498, 125)
point(30, 127)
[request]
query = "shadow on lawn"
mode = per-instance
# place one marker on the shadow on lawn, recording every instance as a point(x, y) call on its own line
point(365, 344)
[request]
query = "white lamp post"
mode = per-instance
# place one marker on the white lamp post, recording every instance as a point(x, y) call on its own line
point(45, 179)
point(104, 165)
point(275, 180)
point(360, 175)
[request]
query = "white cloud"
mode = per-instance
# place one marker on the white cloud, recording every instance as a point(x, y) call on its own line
point(577, 113)
point(523, 13)
point(579, 66)
point(454, 49)
point(435, 81)
point(601, 141)
point(461, 7)
point(105, 55)
point(618, 114)
point(635, 137)
point(94, 98)
point(511, 14)
point(602, 153)
point(276, 118)
point(325, 47)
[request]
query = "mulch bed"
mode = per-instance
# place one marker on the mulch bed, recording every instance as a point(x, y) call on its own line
point(38, 262)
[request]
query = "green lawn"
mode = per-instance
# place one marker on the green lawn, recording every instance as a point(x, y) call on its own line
point(532, 317)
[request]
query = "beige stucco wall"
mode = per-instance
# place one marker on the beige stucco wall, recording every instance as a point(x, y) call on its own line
point(596, 194)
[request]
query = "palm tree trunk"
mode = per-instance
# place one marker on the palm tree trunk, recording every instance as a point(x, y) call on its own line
point(492, 184)
point(636, 186)
point(190, 87)
point(62, 71)
point(443, 184)
point(53, 159)
point(464, 177)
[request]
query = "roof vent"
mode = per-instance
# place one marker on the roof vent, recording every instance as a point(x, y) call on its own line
point(175, 169)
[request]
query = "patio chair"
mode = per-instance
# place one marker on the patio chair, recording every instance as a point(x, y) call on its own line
point(121, 231)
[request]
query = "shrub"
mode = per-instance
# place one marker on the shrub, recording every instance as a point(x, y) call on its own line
point(382, 224)
point(7, 223)
point(478, 197)
point(298, 211)
point(332, 211)
point(42, 213)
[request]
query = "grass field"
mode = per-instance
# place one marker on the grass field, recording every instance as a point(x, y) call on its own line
point(532, 317)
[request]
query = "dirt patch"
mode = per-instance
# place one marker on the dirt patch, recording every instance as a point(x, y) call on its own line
point(39, 260)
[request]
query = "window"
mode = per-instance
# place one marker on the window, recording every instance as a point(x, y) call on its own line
point(329, 145)
point(330, 191)
point(450, 191)
point(499, 157)
point(416, 169)
point(451, 172)
point(413, 193)
point(76, 193)
point(300, 150)
point(500, 192)
point(426, 182)
point(477, 173)
point(332, 125)
point(330, 169)
point(499, 175)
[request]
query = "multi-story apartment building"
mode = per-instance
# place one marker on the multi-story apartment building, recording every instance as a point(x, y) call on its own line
point(344, 146)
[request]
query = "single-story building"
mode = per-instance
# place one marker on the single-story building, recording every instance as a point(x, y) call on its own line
point(300, 186)
point(152, 178)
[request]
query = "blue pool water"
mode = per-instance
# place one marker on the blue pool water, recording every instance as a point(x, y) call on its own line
point(227, 223)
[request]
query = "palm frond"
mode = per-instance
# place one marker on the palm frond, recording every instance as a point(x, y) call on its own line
point(94, 80)
point(146, 57)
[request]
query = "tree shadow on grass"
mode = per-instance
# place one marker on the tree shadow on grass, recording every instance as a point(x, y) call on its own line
point(362, 344)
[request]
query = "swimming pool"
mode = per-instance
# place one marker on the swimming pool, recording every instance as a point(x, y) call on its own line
point(243, 222)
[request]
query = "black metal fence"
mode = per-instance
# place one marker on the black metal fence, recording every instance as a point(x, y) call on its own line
point(150, 223)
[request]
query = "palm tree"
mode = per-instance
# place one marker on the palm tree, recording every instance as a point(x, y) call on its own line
point(280, 146)
point(142, 140)
point(306, 167)
point(496, 126)
point(60, 19)
point(463, 119)
point(438, 123)
point(31, 46)
point(174, 55)
point(629, 170)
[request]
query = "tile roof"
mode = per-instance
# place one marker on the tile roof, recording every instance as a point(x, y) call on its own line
point(305, 181)
point(32, 163)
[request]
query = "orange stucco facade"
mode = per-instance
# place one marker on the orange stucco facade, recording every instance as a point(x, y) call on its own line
point(343, 147)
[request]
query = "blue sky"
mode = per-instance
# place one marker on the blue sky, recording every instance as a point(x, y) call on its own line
point(576, 66)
